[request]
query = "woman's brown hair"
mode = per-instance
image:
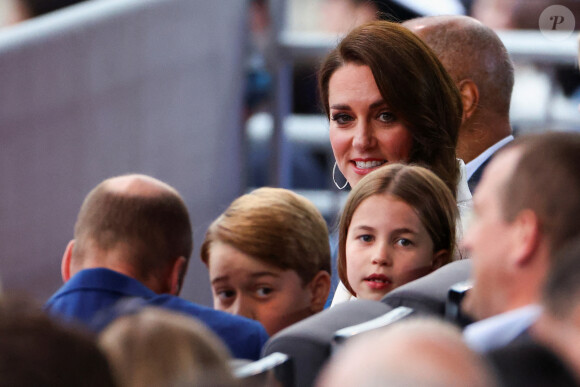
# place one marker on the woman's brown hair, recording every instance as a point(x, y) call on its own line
point(413, 83)
point(419, 188)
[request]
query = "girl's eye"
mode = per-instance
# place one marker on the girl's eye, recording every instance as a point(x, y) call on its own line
point(366, 238)
point(341, 118)
point(387, 117)
point(404, 242)
point(263, 291)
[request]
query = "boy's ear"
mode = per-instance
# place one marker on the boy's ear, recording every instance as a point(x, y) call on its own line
point(319, 289)
point(439, 259)
point(66, 261)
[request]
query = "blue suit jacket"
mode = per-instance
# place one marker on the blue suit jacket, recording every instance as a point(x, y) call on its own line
point(93, 292)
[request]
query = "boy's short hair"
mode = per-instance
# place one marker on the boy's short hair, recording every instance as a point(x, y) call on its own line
point(277, 227)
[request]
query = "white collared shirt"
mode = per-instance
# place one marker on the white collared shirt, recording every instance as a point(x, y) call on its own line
point(498, 331)
point(472, 166)
point(463, 195)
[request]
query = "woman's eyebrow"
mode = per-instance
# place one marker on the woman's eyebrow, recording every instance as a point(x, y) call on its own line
point(379, 103)
point(340, 107)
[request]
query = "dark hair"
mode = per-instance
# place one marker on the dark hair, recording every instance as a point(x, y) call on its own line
point(154, 228)
point(40, 7)
point(38, 351)
point(530, 363)
point(546, 180)
point(415, 86)
point(419, 188)
point(277, 227)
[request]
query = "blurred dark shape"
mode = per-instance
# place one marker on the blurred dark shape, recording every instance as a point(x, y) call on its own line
point(40, 7)
point(36, 350)
point(531, 364)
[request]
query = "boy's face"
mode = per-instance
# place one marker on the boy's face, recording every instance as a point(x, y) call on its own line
point(247, 287)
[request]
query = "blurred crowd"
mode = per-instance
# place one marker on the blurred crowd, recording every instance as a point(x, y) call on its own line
point(442, 188)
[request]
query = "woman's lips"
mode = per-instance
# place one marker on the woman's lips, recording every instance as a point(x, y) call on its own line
point(364, 166)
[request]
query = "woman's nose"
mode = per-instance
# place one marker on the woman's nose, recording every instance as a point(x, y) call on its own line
point(364, 137)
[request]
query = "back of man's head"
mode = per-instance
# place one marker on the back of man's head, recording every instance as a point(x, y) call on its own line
point(470, 50)
point(142, 219)
point(418, 352)
point(561, 294)
point(546, 180)
point(559, 325)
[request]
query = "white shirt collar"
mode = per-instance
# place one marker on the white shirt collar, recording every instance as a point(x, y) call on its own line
point(463, 194)
point(472, 166)
point(499, 330)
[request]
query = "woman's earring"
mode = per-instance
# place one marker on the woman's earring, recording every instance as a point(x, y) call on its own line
point(334, 179)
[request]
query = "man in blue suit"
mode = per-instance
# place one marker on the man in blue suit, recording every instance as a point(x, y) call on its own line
point(133, 240)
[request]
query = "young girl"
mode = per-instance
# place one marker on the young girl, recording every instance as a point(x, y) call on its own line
point(398, 224)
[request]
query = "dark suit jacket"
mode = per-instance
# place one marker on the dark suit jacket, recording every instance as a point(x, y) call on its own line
point(476, 177)
point(525, 362)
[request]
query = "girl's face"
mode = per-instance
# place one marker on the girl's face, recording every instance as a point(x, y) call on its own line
point(364, 133)
point(387, 246)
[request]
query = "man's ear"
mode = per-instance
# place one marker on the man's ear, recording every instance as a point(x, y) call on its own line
point(177, 275)
point(526, 236)
point(66, 261)
point(469, 97)
point(439, 259)
point(319, 288)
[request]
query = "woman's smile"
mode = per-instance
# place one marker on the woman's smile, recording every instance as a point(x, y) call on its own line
point(364, 133)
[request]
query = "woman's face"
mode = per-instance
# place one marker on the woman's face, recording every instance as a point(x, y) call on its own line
point(364, 133)
point(387, 246)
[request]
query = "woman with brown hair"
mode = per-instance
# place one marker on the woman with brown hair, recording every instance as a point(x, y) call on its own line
point(390, 100)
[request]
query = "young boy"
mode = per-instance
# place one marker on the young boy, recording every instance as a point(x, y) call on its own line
point(268, 257)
